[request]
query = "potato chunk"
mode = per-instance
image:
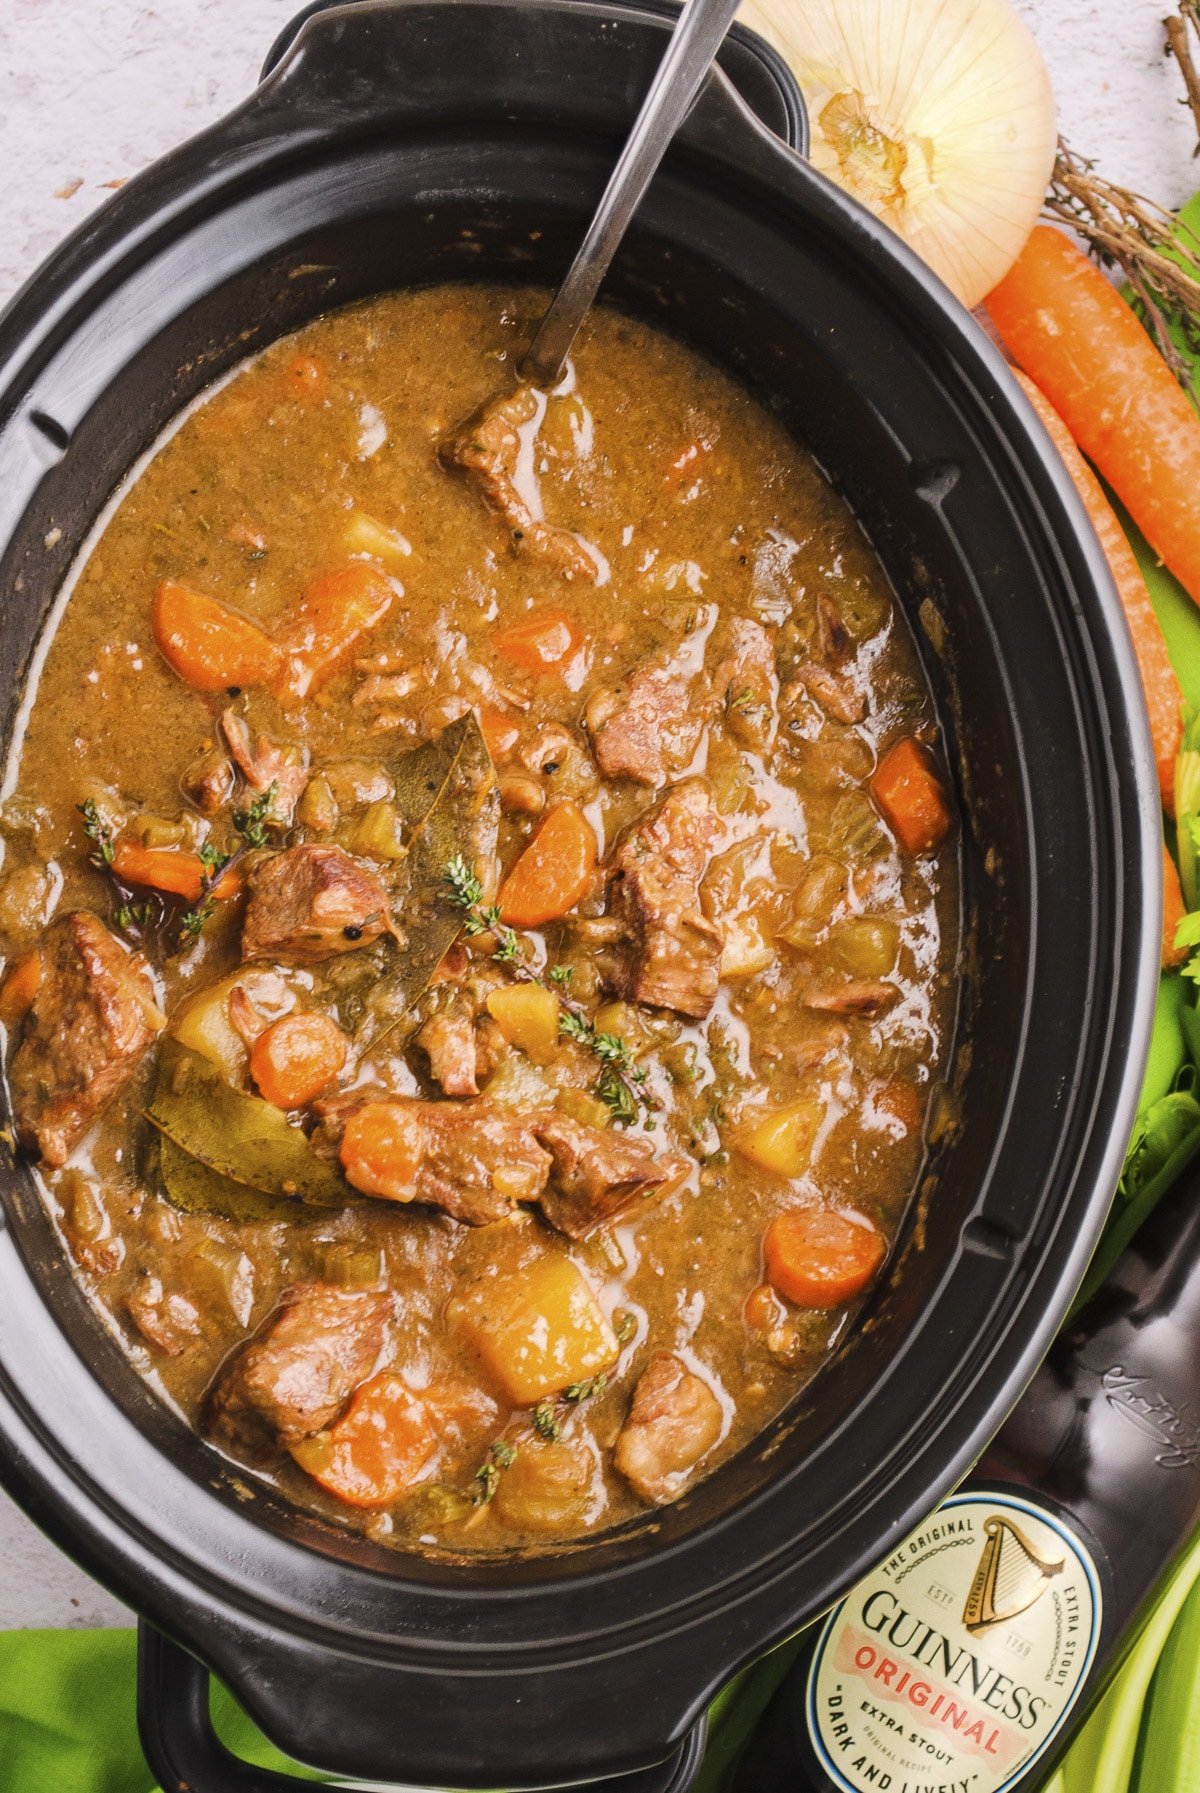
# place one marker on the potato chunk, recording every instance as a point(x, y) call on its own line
point(538, 1330)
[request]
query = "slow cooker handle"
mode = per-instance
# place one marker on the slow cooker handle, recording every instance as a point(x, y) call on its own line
point(185, 1755)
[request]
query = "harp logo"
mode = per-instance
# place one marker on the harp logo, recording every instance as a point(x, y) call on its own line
point(1012, 1574)
point(952, 1667)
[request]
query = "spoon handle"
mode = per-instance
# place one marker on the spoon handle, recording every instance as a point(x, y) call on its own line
point(697, 37)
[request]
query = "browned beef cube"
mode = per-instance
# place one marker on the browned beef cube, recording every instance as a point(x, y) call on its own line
point(647, 728)
point(597, 1174)
point(310, 902)
point(473, 1160)
point(266, 765)
point(670, 956)
point(674, 1421)
point(297, 1375)
point(92, 1018)
point(487, 448)
point(747, 683)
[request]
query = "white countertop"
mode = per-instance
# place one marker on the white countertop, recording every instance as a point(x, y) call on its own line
point(91, 91)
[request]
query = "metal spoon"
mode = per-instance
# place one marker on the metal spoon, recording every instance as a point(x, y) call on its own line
point(698, 35)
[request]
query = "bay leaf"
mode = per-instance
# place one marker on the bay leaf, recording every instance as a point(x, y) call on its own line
point(196, 1188)
point(448, 799)
point(231, 1139)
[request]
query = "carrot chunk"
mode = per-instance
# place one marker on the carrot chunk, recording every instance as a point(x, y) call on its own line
point(210, 646)
point(334, 614)
point(1173, 913)
point(543, 641)
point(554, 872)
point(1160, 686)
point(499, 731)
point(168, 869)
point(20, 986)
point(1069, 328)
point(382, 1149)
point(373, 1454)
point(819, 1257)
point(909, 794)
point(297, 1057)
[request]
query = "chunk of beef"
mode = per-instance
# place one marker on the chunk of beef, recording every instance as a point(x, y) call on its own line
point(267, 765)
point(863, 997)
point(647, 728)
point(674, 1421)
point(670, 956)
point(169, 1322)
point(448, 1038)
point(92, 1018)
point(835, 692)
point(473, 1160)
point(208, 782)
point(747, 684)
point(297, 1375)
point(833, 637)
point(597, 1174)
point(488, 448)
point(310, 902)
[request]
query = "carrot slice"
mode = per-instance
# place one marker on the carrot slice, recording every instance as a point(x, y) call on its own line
point(499, 731)
point(373, 1454)
point(382, 1149)
point(819, 1257)
point(554, 871)
point(903, 1102)
point(909, 794)
point(1068, 327)
point(1160, 687)
point(334, 614)
point(210, 646)
point(169, 869)
point(1174, 911)
point(19, 988)
point(543, 641)
point(297, 1057)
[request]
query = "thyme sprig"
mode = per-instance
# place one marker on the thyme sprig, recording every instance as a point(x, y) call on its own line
point(547, 1416)
point(99, 833)
point(501, 1456)
point(251, 823)
point(620, 1084)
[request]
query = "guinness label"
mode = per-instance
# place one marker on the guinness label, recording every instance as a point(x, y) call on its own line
point(952, 1667)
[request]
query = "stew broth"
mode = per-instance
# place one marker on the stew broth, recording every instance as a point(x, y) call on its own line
point(478, 1229)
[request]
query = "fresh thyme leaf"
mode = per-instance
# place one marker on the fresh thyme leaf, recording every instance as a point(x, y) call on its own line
point(253, 821)
point(98, 832)
point(502, 1455)
point(546, 1422)
point(561, 974)
point(586, 1391)
point(191, 922)
point(615, 1093)
point(508, 950)
point(487, 1480)
point(624, 1325)
point(212, 859)
point(465, 890)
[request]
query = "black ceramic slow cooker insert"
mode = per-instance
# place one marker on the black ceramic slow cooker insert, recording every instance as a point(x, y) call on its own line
point(402, 142)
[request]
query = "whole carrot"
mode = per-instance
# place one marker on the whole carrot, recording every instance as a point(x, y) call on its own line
point(1067, 326)
point(1164, 698)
